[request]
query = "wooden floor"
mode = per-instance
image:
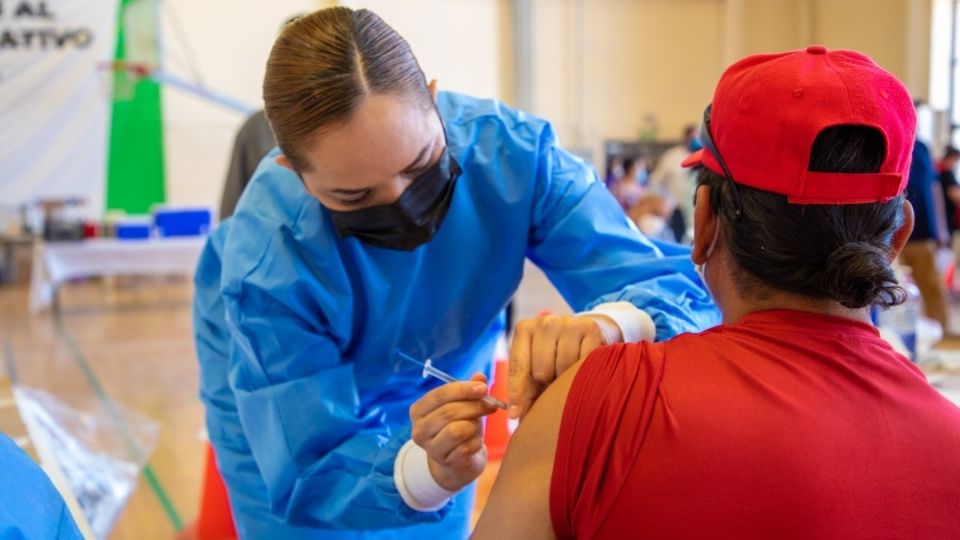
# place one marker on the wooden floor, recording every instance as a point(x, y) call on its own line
point(132, 339)
point(135, 336)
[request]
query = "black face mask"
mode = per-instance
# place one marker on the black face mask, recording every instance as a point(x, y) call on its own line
point(412, 219)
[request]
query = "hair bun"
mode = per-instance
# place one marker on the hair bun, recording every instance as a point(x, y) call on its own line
point(858, 274)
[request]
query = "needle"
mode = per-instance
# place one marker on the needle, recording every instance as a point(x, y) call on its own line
point(429, 370)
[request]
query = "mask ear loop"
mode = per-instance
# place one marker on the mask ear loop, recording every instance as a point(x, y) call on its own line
point(713, 245)
point(702, 266)
point(707, 139)
point(455, 169)
point(443, 125)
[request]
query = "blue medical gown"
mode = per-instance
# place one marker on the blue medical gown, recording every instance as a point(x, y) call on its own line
point(30, 507)
point(296, 328)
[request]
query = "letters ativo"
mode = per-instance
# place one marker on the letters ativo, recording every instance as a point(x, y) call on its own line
point(32, 25)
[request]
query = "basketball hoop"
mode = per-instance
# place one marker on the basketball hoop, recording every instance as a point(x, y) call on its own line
point(119, 79)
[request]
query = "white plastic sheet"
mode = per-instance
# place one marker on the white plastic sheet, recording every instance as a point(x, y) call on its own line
point(99, 452)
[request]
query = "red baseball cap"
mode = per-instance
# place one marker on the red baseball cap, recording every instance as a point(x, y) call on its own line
point(768, 109)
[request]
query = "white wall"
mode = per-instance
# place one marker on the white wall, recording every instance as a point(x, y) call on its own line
point(231, 40)
point(600, 66)
point(658, 57)
point(895, 33)
point(456, 42)
point(940, 57)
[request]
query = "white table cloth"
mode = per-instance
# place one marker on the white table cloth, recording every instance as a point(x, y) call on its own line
point(57, 262)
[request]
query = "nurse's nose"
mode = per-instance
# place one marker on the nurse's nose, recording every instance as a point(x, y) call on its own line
point(396, 188)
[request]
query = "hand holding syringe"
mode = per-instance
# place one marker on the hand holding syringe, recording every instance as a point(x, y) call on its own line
point(429, 370)
point(447, 423)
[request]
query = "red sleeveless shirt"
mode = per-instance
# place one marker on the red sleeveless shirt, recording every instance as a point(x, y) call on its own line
point(783, 425)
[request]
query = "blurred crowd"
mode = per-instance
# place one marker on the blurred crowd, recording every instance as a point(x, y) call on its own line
point(657, 194)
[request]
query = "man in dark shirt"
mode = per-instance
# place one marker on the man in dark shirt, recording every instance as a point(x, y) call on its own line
point(919, 253)
point(253, 142)
point(951, 188)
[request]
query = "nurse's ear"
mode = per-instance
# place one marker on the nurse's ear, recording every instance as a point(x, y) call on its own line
point(284, 162)
point(432, 87)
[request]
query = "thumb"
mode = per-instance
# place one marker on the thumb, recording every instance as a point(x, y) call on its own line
point(609, 330)
point(479, 377)
point(520, 382)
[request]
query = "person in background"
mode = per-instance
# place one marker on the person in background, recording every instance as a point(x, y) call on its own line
point(651, 213)
point(793, 419)
point(670, 179)
point(951, 196)
point(630, 186)
point(252, 142)
point(614, 171)
point(920, 252)
point(30, 507)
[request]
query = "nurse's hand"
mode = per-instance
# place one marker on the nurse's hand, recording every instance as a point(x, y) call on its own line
point(546, 346)
point(447, 424)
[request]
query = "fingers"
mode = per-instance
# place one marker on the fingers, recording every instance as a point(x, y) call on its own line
point(432, 424)
point(452, 434)
point(568, 350)
point(479, 377)
point(466, 453)
point(457, 440)
point(521, 387)
point(542, 349)
point(457, 455)
point(446, 421)
point(589, 344)
point(447, 424)
point(451, 392)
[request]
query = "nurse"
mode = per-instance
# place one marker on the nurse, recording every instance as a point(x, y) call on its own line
point(393, 217)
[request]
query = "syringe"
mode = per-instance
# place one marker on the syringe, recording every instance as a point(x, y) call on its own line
point(429, 370)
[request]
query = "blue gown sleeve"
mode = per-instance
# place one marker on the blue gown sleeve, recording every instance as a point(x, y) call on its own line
point(325, 461)
point(592, 253)
point(30, 506)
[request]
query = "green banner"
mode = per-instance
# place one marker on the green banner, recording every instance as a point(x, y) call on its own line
point(135, 169)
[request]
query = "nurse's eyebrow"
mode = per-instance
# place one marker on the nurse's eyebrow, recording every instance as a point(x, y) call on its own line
point(424, 153)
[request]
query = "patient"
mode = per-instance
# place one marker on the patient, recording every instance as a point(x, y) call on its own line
point(792, 419)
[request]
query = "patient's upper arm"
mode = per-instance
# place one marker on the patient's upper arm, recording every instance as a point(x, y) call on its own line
point(519, 504)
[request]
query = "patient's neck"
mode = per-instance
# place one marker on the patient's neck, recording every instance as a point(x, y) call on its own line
point(735, 305)
point(740, 307)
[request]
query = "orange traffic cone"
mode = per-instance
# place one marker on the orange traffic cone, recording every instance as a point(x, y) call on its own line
point(216, 520)
point(499, 426)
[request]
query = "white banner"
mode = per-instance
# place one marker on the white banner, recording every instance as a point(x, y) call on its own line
point(54, 107)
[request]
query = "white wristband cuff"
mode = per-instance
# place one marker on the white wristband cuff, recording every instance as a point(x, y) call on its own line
point(416, 485)
point(635, 324)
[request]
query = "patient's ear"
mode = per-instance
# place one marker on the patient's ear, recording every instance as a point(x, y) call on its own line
point(705, 225)
point(901, 235)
